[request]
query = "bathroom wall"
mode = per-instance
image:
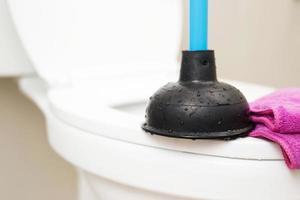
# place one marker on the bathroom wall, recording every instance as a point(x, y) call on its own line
point(29, 168)
point(257, 41)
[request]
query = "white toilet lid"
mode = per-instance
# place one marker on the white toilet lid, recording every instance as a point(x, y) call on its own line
point(96, 110)
point(61, 37)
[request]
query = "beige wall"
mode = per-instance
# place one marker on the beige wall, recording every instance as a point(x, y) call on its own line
point(29, 169)
point(257, 40)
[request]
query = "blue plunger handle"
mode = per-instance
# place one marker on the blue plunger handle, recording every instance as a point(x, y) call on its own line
point(198, 24)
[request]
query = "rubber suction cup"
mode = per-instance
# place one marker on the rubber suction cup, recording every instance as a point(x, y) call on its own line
point(198, 106)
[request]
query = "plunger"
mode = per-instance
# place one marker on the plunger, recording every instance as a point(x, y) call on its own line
point(198, 106)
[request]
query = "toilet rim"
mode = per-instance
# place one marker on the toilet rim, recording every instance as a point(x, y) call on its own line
point(77, 107)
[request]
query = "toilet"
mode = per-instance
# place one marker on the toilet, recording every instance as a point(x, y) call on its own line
point(96, 64)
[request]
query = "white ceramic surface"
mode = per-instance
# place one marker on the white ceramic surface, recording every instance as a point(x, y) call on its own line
point(13, 58)
point(61, 37)
point(122, 162)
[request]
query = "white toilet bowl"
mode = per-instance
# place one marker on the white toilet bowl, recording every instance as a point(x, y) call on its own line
point(102, 137)
point(95, 71)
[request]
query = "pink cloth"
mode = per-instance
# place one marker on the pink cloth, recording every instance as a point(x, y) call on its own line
point(277, 118)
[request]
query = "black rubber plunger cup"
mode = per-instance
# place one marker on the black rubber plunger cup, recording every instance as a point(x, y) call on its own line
point(198, 106)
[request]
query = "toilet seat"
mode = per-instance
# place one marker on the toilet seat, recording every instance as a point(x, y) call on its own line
point(99, 111)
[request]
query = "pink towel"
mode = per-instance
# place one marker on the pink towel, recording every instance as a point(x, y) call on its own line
point(277, 118)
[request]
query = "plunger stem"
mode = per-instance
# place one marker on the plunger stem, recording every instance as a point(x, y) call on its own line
point(198, 66)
